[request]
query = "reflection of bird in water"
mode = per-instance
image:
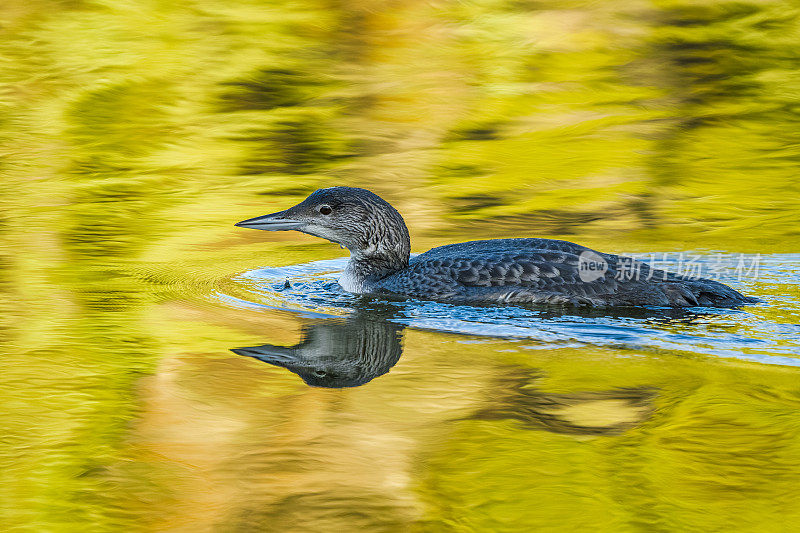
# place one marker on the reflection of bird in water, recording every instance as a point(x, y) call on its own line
point(339, 354)
point(498, 271)
point(579, 413)
point(334, 354)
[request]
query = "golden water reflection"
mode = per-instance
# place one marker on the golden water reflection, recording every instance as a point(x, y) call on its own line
point(456, 427)
point(134, 134)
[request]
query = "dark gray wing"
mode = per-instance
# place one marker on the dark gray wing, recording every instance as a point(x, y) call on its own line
point(492, 247)
point(528, 276)
point(549, 271)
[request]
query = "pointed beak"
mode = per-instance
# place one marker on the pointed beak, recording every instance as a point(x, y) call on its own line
point(273, 222)
point(275, 355)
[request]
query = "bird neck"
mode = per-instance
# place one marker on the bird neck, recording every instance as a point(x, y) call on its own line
point(370, 264)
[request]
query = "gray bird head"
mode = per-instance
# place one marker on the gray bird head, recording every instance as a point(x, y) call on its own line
point(355, 218)
point(337, 355)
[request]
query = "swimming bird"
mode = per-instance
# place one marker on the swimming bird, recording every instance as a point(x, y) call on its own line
point(496, 271)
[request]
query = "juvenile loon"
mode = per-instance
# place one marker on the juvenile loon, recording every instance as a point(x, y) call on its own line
point(530, 270)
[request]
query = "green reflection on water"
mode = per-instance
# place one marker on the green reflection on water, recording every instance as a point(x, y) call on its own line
point(135, 133)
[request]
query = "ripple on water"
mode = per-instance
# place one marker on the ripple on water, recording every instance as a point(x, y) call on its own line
point(750, 333)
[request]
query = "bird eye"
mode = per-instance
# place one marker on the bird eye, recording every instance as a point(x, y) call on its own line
point(325, 209)
point(320, 373)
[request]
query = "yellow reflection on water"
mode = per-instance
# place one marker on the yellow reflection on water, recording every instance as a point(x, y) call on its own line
point(135, 133)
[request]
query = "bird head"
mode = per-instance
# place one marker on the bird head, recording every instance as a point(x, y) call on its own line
point(357, 219)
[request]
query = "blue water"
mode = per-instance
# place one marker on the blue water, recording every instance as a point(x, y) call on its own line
point(754, 332)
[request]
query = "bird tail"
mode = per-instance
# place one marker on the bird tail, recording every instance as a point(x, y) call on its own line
point(706, 293)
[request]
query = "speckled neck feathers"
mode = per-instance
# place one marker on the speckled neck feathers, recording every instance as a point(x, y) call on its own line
point(379, 245)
